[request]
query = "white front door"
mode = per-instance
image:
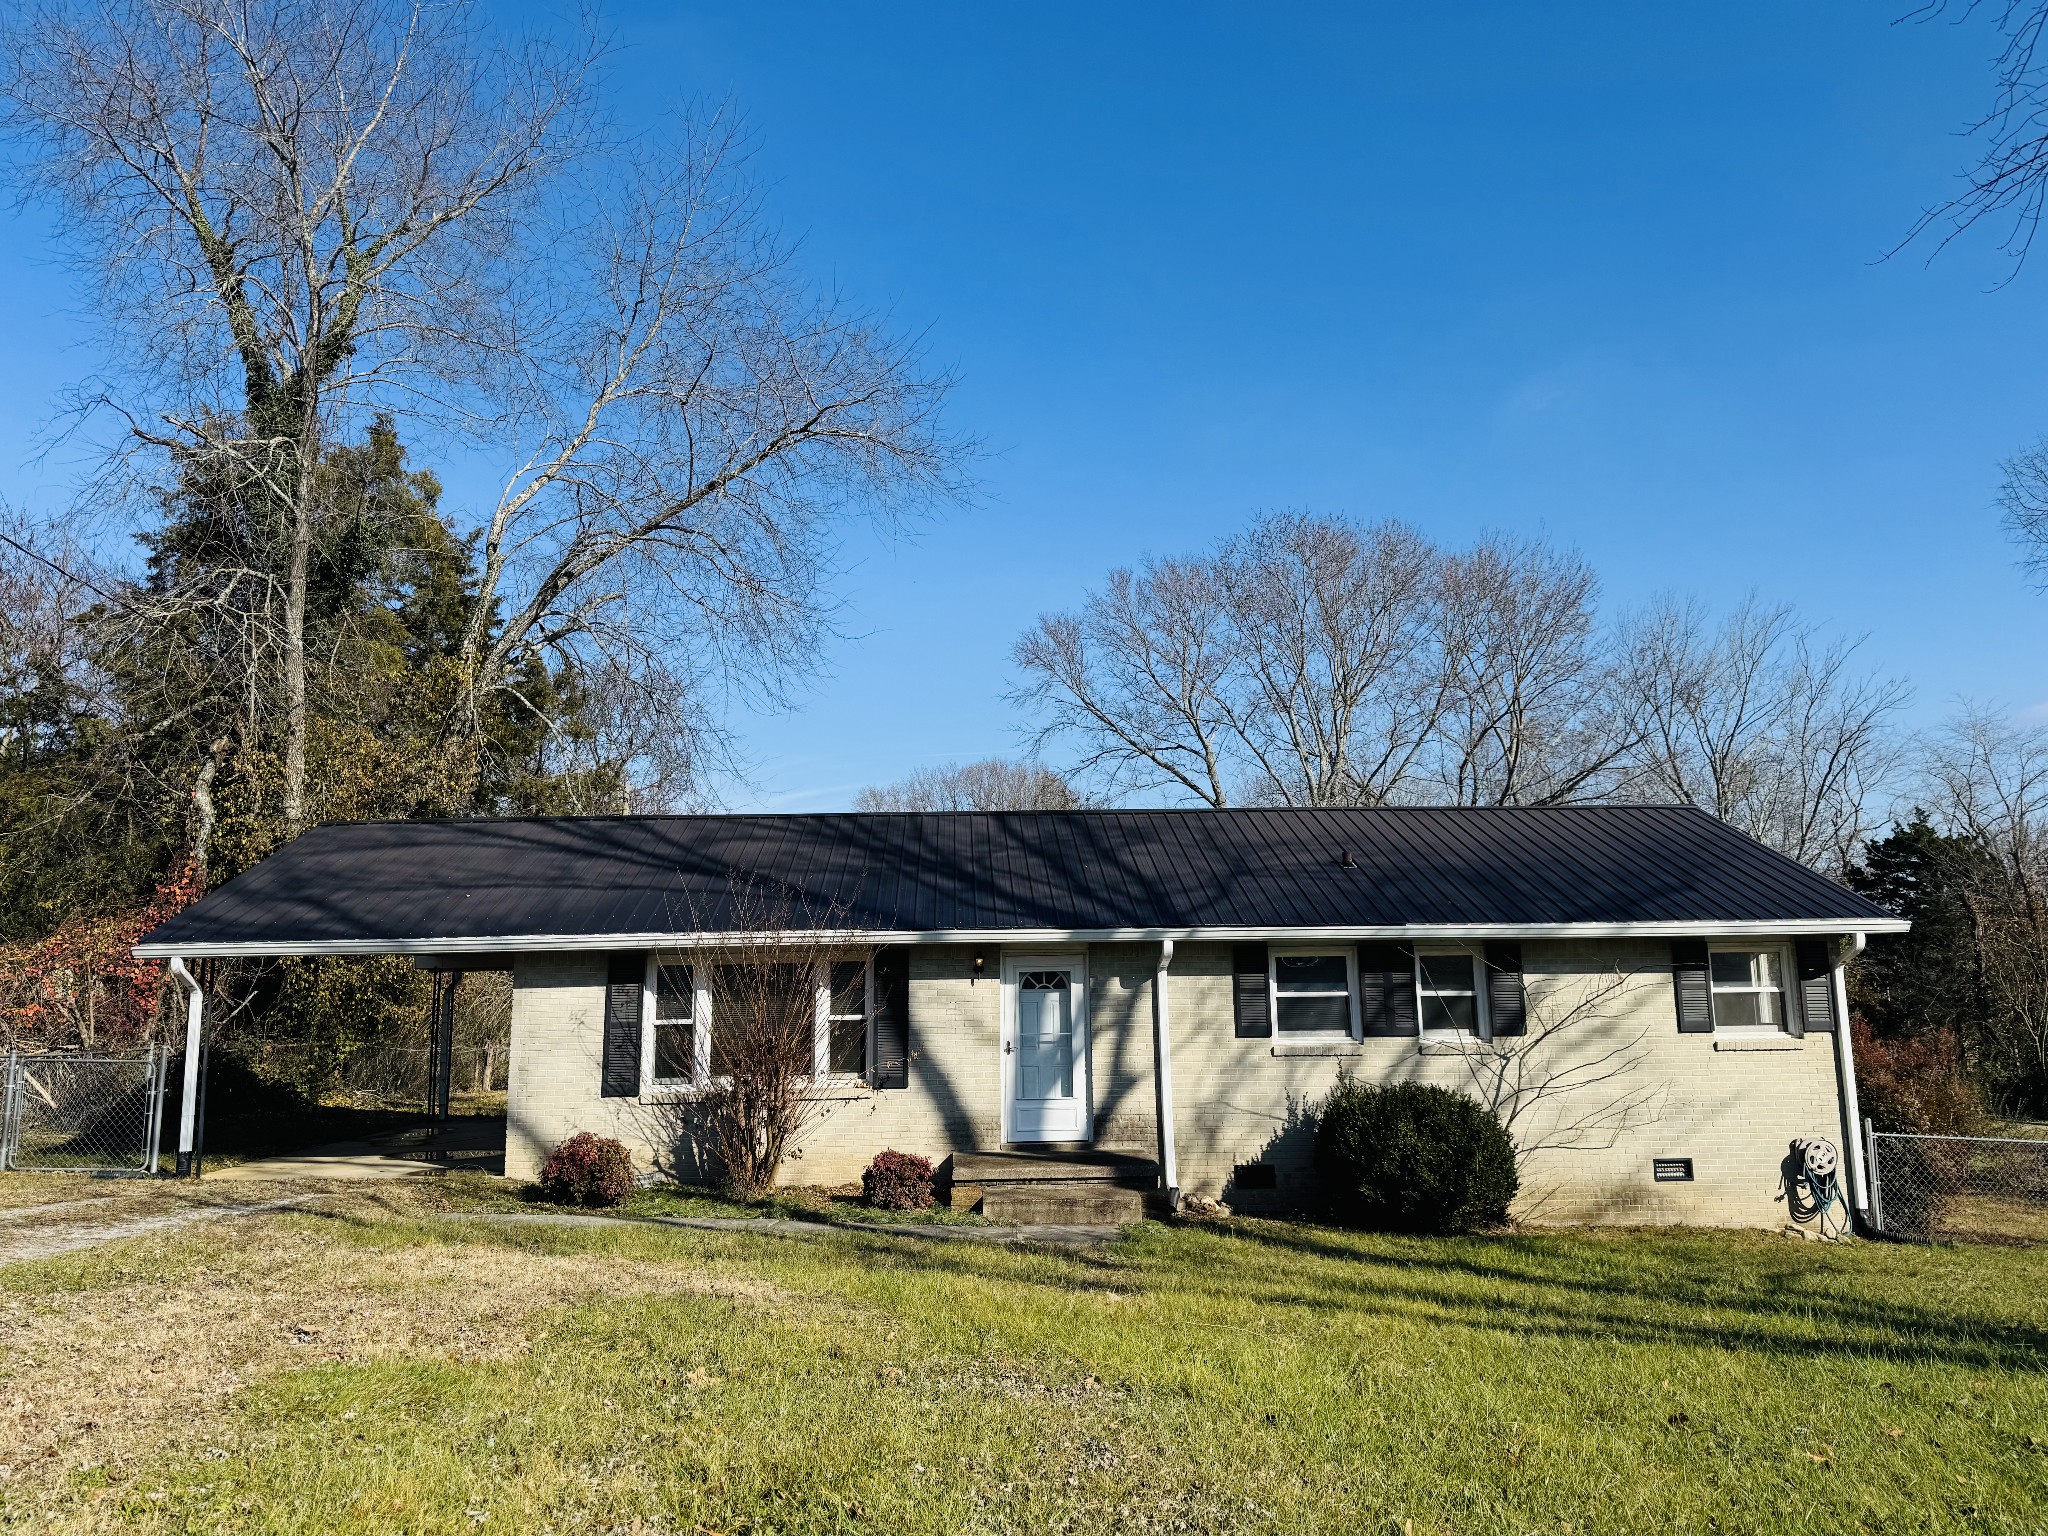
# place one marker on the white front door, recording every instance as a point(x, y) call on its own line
point(1045, 1048)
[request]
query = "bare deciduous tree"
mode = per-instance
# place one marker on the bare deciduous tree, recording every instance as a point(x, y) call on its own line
point(303, 212)
point(1760, 724)
point(993, 784)
point(1298, 663)
point(2024, 495)
point(1531, 719)
point(1987, 780)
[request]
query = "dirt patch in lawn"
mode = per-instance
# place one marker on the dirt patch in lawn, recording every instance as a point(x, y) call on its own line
point(93, 1380)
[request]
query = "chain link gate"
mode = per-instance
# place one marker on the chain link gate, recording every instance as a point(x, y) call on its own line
point(1975, 1188)
point(82, 1114)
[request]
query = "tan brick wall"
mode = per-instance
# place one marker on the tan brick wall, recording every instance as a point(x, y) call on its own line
point(1733, 1111)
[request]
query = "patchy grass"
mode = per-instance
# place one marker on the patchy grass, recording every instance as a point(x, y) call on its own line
point(372, 1367)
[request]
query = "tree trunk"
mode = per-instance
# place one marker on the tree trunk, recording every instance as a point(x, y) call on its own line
point(295, 647)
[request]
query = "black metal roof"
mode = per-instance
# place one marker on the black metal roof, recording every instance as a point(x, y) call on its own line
point(567, 882)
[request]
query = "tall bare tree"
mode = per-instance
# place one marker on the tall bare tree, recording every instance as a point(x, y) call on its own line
point(1532, 718)
point(302, 212)
point(1987, 781)
point(1761, 724)
point(1298, 663)
point(992, 784)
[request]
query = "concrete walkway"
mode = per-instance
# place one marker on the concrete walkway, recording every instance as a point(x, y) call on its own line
point(420, 1150)
point(782, 1226)
point(49, 1241)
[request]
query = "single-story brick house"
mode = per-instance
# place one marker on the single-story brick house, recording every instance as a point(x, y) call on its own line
point(1152, 997)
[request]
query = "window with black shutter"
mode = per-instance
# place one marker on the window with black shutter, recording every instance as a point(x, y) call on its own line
point(892, 1018)
point(1689, 987)
point(1386, 991)
point(1250, 1002)
point(1507, 1003)
point(1816, 985)
point(625, 985)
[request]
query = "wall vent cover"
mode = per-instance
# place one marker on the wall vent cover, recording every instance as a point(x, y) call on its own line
point(1671, 1170)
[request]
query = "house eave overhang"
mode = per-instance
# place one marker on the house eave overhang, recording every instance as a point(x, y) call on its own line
point(558, 943)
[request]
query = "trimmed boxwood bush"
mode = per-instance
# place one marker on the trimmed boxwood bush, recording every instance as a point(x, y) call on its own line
point(1408, 1157)
point(898, 1181)
point(587, 1170)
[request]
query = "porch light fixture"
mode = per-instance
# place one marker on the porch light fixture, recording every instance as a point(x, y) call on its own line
point(980, 961)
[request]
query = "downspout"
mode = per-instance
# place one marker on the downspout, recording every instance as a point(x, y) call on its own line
point(1162, 1057)
point(188, 1104)
point(1845, 1063)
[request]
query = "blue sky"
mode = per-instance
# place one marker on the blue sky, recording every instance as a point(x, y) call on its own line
point(1607, 272)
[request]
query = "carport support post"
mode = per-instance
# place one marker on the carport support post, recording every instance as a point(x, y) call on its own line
point(188, 1103)
point(1162, 1057)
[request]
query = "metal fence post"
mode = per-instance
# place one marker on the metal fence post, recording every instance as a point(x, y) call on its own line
point(1876, 1176)
point(10, 1105)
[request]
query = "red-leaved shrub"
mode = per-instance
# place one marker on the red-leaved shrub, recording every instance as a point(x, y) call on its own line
point(898, 1181)
point(587, 1170)
point(1916, 1084)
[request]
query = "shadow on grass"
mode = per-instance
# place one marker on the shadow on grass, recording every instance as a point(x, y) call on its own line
point(1755, 1304)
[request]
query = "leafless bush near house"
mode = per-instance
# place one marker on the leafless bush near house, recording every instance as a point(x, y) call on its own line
point(762, 1078)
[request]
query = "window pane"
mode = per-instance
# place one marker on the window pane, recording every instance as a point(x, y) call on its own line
point(1450, 1014)
point(1746, 968)
point(850, 987)
point(765, 1012)
point(675, 1052)
point(1447, 973)
point(675, 992)
point(1311, 973)
point(849, 1046)
point(1045, 1039)
point(1319, 1015)
point(1740, 1010)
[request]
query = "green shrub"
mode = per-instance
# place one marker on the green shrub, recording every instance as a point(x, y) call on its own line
point(1411, 1158)
point(587, 1170)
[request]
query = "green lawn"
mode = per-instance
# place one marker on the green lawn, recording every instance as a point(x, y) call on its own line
point(403, 1372)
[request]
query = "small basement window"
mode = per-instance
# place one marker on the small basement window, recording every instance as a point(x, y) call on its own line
point(1748, 987)
point(1315, 992)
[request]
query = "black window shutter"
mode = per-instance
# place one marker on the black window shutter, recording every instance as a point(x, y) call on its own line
point(1386, 990)
point(1816, 988)
point(892, 1017)
point(1507, 1004)
point(1689, 985)
point(1250, 999)
point(625, 983)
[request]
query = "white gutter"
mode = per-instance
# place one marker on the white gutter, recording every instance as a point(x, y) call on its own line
point(1162, 1059)
point(542, 943)
point(188, 1103)
point(1845, 1063)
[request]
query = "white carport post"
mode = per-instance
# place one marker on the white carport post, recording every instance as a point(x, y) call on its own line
point(1162, 1056)
point(188, 1107)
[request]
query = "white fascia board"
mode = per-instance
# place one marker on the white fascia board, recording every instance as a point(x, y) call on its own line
point(551, 943)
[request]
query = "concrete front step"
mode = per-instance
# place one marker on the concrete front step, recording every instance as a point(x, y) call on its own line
point(1078, 1186)
point(1048, 1202)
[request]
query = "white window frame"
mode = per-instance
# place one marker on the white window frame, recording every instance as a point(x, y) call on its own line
point(700, 963)
point(1275, 953)
point(1482, 1014)
point(700, 1005)
point(1788, 992)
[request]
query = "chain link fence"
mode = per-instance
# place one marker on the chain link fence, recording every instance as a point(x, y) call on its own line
point(82, 1114)
point(1974, 1188)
